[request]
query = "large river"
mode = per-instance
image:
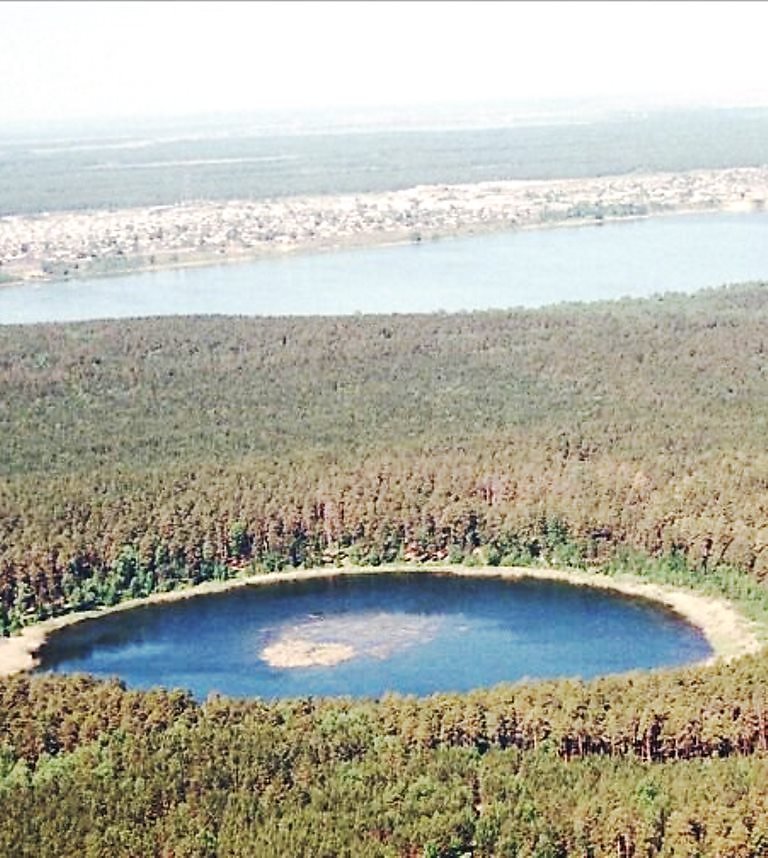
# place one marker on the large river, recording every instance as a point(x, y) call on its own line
point(525, 268)
point(411, 632)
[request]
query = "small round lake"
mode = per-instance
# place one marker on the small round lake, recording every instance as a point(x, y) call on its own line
point(364, 635)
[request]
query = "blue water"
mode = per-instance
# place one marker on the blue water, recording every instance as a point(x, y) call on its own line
point(525, 268)
point(409, 632)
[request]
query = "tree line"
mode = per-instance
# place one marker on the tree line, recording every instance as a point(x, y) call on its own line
point(145, 455)
point(141, 454)
point(615, 766)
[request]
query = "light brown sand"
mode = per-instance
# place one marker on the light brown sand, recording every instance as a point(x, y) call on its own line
point(295, 652)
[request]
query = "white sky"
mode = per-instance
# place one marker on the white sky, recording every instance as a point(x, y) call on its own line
point(63, 60)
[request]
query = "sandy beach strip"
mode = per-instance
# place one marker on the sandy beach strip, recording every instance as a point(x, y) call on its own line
point(728, 631)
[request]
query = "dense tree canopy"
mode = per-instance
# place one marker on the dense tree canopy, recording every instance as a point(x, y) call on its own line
point(141, 455)
point(656, 765)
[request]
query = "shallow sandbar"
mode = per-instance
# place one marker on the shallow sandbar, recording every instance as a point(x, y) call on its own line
point(300, 653)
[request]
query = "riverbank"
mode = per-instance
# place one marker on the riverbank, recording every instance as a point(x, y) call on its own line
point(62, 245)
point(728, 631)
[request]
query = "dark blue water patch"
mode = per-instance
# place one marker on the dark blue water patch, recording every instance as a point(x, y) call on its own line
point(412, 633)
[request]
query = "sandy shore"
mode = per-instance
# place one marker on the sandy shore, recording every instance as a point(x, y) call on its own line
point(60, 245)
point(728, 631)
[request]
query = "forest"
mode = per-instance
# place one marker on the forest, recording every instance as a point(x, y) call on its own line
point(162, 162)
point(146, 455)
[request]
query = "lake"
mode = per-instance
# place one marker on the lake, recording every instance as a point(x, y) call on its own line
point(527, 268)
point(408, 632)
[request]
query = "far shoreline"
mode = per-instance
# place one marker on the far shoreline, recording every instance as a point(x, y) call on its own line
point(728, 631)
point(367, 242)
point(67, 246)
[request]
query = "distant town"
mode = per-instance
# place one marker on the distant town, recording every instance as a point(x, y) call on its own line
point(87, 243)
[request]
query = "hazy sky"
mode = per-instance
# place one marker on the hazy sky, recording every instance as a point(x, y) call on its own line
point(83, 59)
